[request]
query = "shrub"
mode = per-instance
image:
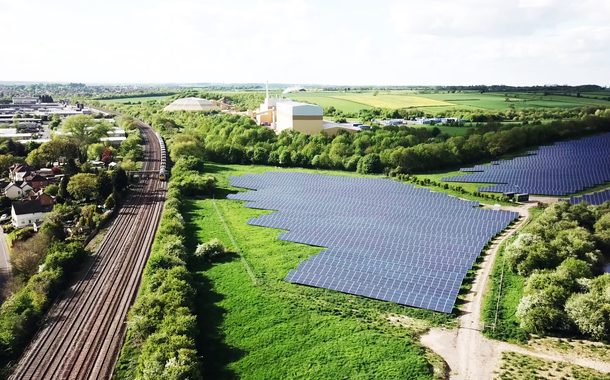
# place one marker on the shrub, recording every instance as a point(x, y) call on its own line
point(210, 250)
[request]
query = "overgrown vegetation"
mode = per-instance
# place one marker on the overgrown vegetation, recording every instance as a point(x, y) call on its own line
point(162, 324)
point(516, 366)
point(558, 261)
point(22, 312)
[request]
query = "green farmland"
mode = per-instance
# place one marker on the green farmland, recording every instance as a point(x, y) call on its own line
point(351, 102)
point(256, 326)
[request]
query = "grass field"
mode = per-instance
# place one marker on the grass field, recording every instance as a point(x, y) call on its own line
point(269, 329)
point(352, 102)
point(516, 366)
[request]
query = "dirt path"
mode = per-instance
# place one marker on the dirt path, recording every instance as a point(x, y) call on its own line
point(467, 352)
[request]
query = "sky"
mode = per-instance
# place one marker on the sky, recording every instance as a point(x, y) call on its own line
point(381, 42)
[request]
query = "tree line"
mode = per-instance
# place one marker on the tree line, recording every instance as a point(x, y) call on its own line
point(561, 255)
point(235, 139)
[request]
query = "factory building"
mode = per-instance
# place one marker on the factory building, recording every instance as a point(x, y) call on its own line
point(301, 117)
point(284, 114)
point(265, 115)
point(280, 114)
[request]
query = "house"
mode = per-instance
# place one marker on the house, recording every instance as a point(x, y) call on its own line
point(36, 181)
point(24, 213)
point(16, 172)
point(17, 190)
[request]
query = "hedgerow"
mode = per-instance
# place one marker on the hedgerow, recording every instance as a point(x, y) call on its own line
point(161, 324)
point(24, 310)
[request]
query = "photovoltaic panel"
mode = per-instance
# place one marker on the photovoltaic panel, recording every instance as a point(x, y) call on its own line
point(384, 239)
point(563, 168)
point(596, 198)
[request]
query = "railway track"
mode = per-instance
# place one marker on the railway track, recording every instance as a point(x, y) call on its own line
point(83, 332)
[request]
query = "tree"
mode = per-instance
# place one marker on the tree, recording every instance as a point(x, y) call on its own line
point(35, 159)
point(94, 151)
point(83, 186)
point(119, 180)
point(107, 155)
point(131, 148)
point(590, 311)
point(371, 163)
point(84, 130)
point(58, 148)
point(576, 243)
point(88, 218)
point(62, 193)
point(6, 160)
point(110, 202)
point(602, 230)
point(52, 189)
point(104, 185)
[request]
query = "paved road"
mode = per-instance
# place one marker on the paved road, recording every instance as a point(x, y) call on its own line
point(5, 263)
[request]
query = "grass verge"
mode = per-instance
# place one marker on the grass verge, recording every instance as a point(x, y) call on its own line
point(516, 366)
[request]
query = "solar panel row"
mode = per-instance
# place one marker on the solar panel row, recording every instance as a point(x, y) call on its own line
point(593, 199)
point(386, 240)
point(563, 168)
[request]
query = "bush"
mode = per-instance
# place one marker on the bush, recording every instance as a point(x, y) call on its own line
point(210, 250)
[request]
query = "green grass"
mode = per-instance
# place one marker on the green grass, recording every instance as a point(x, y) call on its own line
point(275, 330)
point(468, 186)
point(451, 131)
point(352, 102)
point(516, 366)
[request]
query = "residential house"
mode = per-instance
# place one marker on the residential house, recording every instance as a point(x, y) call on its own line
point(18, 171)
point(25, 213)
point(36, 181)
point(17, 190)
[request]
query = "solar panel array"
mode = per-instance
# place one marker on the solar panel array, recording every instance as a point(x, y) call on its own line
point(593, 199)
point(385, 240)
point(563, 168)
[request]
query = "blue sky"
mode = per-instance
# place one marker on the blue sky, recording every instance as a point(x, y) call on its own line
point(382, 42)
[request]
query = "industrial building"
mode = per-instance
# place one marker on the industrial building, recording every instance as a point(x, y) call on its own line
point(301, 117)
point(285, 114)
point(191, 104)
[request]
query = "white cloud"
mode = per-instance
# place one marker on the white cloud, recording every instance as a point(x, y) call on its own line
point(308, 41)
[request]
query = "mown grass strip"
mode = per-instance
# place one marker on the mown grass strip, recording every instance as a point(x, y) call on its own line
point(232, 238)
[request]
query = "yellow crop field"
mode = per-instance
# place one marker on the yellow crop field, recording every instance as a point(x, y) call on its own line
point(393, 101)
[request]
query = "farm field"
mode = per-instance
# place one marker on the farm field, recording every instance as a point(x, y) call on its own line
point(351, 102)
point(264, 327)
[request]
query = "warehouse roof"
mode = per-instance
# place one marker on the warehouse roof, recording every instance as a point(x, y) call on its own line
point(190, 104)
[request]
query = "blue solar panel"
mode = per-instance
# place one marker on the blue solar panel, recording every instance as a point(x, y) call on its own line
point(593, 199)
point(563, 168)
point(385, 240)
